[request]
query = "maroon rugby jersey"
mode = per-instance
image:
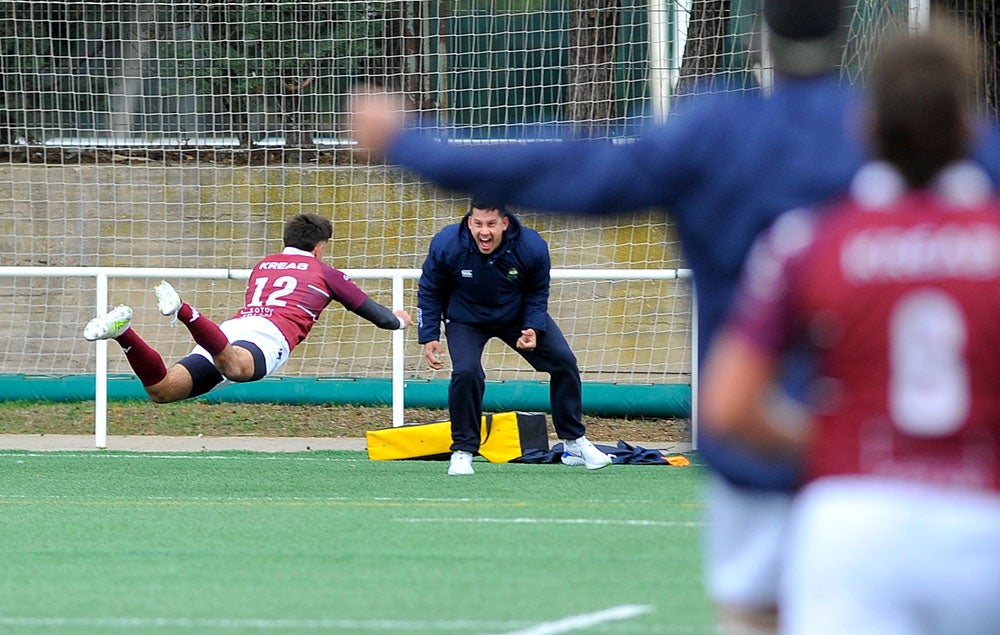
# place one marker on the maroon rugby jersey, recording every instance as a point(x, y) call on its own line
point(292, 288)
point(898, 293)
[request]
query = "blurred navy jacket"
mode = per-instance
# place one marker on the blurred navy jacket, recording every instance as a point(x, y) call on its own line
point(723, 167)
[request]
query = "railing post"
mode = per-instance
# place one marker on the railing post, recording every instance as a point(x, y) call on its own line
point(101, 372)
point(398, 354)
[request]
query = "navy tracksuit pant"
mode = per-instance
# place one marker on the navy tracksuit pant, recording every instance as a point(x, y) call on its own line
point(468, 380)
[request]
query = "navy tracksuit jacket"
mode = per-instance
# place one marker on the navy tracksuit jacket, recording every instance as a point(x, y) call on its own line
point(482, 296)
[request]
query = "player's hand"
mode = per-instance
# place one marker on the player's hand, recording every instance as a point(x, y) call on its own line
point(432, 353)
point(528, 340)
point(407, 320)
point(376, 117)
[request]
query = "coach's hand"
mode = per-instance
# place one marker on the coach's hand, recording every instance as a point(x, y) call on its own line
point(528, 340)
point(432, 353)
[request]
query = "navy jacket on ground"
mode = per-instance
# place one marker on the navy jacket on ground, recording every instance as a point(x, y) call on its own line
point(508, 286)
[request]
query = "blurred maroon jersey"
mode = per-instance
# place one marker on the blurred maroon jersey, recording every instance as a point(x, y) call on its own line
point(898, 295)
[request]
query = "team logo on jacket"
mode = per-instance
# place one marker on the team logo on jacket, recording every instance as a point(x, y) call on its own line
point(466, 273)
point(512, 274)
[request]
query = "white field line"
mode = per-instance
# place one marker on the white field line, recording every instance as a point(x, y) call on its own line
point(635, 522)
point(563, 625)
point(241, 499)
point(586, 620)
point(203, 624)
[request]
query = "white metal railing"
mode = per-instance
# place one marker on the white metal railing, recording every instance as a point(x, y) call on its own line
point(103, 274)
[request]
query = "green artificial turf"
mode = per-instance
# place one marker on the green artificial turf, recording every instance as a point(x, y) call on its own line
point(330, 542)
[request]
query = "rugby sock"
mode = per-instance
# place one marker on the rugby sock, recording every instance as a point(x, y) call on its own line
point(204, 331)
point(144, 360)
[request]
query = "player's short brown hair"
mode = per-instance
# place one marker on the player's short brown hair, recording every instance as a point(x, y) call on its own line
point(922, 88)
point(305, 231)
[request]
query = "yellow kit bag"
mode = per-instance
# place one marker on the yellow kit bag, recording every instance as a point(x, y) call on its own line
point(505, 437)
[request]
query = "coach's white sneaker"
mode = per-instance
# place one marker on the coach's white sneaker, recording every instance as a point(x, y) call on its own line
point(582, 452)
point(168, 300)
point(572, 459)
point(461, 464)
point(108, 326)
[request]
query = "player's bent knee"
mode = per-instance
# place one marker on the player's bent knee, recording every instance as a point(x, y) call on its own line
point(237, 373)
point(160, 395)
point(175, 386)
point(247, 364)
point(201, 375)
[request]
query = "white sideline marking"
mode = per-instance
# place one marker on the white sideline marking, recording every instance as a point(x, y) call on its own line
point(558, 521)
point(201, 624)
point(236, 499)
point(586, 620)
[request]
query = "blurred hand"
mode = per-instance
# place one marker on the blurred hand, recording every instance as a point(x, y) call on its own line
point(407, 320)
point(432, 353)
point(376, 117)
point(528, 340)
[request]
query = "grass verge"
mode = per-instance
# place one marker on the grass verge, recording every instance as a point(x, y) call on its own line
point(191, 418)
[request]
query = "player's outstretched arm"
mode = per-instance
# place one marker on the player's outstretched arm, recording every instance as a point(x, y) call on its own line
point(382, 316)
point(404, 317)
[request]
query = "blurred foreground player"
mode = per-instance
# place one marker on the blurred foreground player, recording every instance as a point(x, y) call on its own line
point(723, 166)
point(284, 298)
point(897, 290)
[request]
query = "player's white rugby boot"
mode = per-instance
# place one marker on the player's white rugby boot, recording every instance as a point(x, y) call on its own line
point(108, 326)
point(582, 452)
point(168, 300)
point(461, 464)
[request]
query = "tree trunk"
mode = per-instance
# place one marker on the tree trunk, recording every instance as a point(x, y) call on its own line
point(983, 20)
point(127, 89)
point(705, 46)
point(591, 86)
